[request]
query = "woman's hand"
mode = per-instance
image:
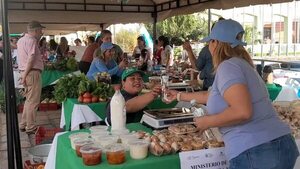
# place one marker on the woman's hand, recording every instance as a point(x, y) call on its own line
point(201, 123)
point(123, 64)
point(171, 95)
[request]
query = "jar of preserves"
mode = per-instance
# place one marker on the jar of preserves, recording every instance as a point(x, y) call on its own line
point(81, 142)
point(77, 135)
point(91, 154)
point(115, 154)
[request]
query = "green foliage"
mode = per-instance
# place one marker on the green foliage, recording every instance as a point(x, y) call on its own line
point(19, 98)
point(177, 52)
point(61, 64)
point(68, 63)
point(249, 31)
point(103, 90)
point(192, 27)
point(75, 85)
point(67, 87)
point(72, 64)
point(126, 39)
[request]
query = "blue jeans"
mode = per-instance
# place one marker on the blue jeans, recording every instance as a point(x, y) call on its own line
point(280, 153)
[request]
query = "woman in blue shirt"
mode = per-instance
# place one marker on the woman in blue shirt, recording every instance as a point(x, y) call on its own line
point(105, 63)
point(238, 103)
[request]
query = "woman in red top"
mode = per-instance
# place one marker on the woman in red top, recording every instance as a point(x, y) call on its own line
point(157, 53)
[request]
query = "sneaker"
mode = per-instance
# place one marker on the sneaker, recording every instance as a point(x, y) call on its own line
point(32, 131)
point(22, 129)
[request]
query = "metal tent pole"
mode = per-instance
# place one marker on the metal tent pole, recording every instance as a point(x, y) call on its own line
point(13, 138)
point(209, 21)
point(154, 15)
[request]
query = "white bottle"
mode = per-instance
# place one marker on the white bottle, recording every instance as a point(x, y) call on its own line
point(118, 112)
point(149, 65)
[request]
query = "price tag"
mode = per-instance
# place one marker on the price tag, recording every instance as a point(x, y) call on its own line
point(213, 158)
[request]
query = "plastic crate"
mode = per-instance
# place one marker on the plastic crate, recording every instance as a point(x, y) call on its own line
point(43, 134)
point(20, 108)
point(28, 165)
point(43, 107)
point(52, 106)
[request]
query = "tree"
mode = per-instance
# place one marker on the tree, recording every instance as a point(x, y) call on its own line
point(249, 32)
point(191, 27)
point(126, 39)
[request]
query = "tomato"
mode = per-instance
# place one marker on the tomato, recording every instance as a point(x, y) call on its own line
point(87, 95)
point(95, 99)
point(87, 100)
point(80, 99)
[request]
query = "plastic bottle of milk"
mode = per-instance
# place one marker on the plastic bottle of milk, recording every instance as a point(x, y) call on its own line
point(118, 111)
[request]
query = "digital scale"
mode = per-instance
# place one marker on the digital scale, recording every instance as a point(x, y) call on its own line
point(162, 118)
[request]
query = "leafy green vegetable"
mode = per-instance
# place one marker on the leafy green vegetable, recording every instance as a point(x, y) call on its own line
point(72, 64)
point(67, 87)
point(75, 85)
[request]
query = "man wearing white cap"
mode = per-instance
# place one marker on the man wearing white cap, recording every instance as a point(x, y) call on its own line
point(30, 66)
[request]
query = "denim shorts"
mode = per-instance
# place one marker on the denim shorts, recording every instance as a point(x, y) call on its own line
point(280, 153)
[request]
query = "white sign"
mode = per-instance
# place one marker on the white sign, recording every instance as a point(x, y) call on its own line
point(204, 159)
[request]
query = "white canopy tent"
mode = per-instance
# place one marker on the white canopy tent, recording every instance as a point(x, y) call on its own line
point(63, 16)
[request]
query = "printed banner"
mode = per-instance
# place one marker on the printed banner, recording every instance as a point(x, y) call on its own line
point(204, 159)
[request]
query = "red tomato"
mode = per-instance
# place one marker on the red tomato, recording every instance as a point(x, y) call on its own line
point(95, 99)
point(87, 100)
point(87, 95)
point(80, 99)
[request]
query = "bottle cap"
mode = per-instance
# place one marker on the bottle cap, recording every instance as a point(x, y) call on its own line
point(117, 87)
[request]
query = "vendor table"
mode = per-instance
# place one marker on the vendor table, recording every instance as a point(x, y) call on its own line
point(61, 155)
point(74, 113)
point(66, 157)
point(48, 77)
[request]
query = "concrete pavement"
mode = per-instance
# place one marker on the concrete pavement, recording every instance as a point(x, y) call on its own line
point(48, 119)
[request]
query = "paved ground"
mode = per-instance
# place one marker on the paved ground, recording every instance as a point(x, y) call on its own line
point(49, 119)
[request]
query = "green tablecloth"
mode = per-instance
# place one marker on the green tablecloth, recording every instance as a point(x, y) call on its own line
point(274, 90)
point(100, 108)
point(66, 157)
point(50, 76)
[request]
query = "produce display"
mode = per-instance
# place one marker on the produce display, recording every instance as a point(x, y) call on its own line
point(79, 86)
point(166, 141)
point(182, 128)
point(68, 63)
point(289, 112)
point(92, 92)
point(138, 143)
point(48, 100)
point(103, 77)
